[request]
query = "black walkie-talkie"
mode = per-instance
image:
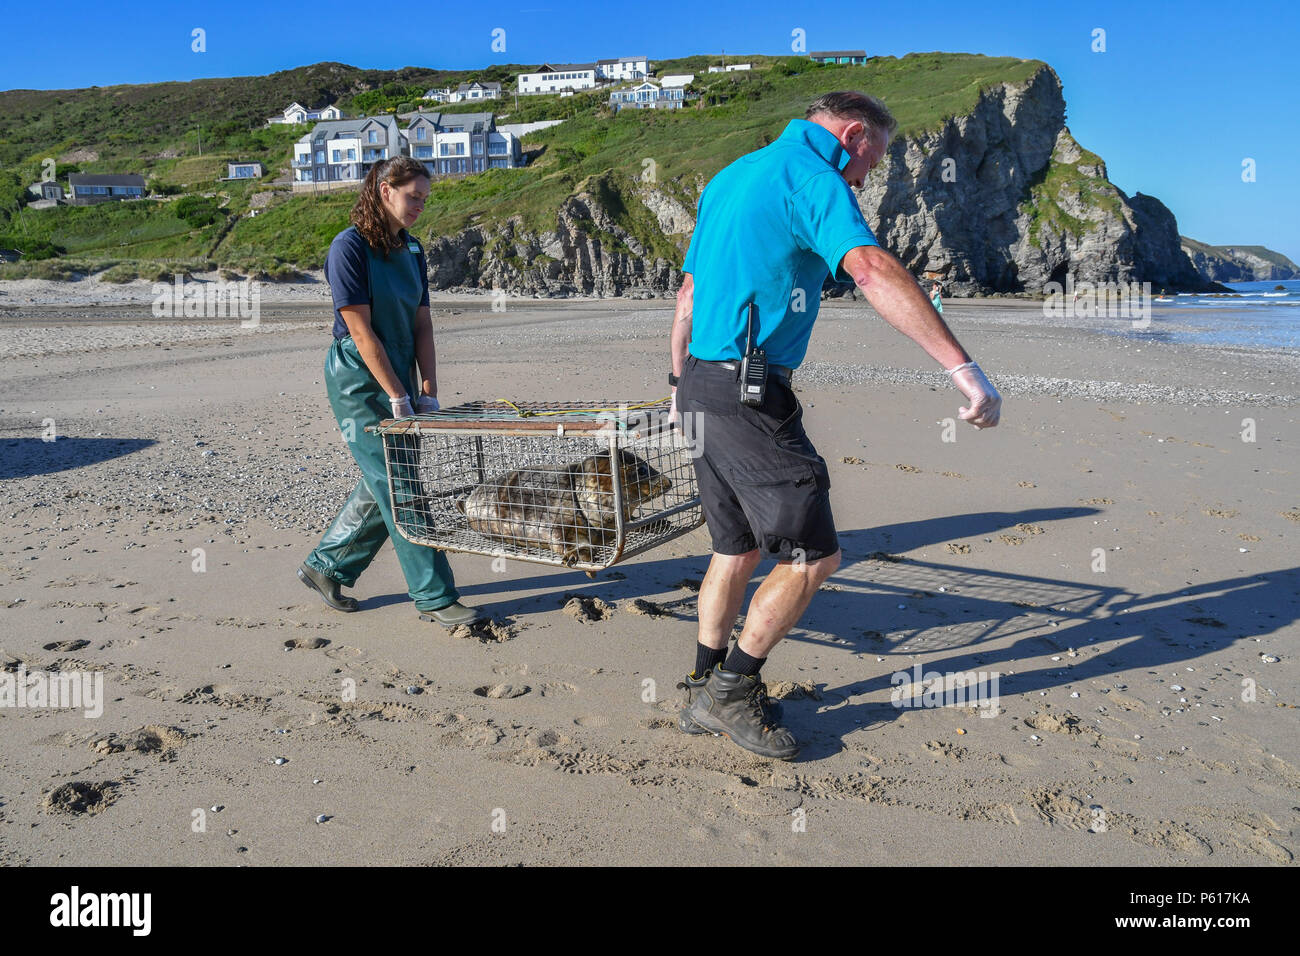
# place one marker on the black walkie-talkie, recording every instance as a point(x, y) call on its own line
point(753, 365)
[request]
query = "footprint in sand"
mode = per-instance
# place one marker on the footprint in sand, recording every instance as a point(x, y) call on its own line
point(1031, 528)
point(596, 720)
point(586, 609)
point(66, 646)
point(492, 631)
point(156, 739)
point(793, 690)
point(646, 608)
point(79, 797)
point(305, 644)
point(544, 738)
point(754, 799)
point(957, 548)
point(1066, 723)
point(1011, 539)
point(502, 691)
point(910, 469)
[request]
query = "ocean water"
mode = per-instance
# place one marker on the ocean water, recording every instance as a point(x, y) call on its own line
point(1255, 315)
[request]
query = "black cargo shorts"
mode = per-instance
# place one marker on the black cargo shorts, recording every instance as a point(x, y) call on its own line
point(762, 483)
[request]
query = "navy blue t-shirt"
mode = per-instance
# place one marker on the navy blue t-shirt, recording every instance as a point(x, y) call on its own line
point(345, 271)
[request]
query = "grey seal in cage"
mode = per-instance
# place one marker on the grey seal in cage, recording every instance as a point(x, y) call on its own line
point(566, 509)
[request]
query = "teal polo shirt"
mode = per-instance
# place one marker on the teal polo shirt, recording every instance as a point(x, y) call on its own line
point(770, 228)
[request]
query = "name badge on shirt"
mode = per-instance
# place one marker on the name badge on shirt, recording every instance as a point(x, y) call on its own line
point(413, 247)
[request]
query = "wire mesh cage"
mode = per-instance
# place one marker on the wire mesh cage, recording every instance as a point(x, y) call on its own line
point(583, 486)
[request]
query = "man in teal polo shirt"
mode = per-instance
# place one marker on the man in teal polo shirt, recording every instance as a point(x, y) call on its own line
point(770, 227)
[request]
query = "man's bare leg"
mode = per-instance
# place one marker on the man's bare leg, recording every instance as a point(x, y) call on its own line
point(721, 595)
point(727, 704)
point(779, 603)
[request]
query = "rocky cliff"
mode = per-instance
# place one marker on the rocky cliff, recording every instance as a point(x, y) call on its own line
point(1239, 263)
point(1004, 200)
point(1001, 200)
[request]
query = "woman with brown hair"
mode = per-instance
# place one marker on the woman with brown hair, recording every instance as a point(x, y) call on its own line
point(382, 329)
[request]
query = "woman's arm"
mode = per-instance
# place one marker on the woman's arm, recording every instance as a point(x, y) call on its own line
point(425, 353)
point(357, 318)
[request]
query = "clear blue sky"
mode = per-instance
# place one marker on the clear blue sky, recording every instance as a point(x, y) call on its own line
point(1183, 93)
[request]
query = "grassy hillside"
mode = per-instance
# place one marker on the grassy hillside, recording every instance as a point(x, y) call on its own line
point(156, 129)
point(129, 123)
point(595, 149)
point(921, 89)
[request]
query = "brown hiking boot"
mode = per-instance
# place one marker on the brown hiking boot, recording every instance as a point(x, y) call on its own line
point(732, 705)
point(772, 710)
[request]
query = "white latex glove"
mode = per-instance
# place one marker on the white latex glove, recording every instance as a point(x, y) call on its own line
point(985, 402)
point(672, 407)
point(425, 403)
point(402, 407)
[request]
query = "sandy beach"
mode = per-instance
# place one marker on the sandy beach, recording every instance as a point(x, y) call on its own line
point(1147, 712)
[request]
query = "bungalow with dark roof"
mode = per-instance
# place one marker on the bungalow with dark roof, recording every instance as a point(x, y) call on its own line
point(89, 188)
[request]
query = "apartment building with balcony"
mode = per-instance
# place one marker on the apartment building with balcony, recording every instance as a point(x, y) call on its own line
point(648, 96)
point(339, 154)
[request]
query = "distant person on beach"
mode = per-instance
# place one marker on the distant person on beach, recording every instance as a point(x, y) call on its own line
point(936, 297)
point(382, 329)
point(770, 227)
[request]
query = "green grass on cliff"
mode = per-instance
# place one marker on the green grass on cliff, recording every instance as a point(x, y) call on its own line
point(689, 146)
point(1062, 182)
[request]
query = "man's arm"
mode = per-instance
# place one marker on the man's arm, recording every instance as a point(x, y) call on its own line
point(680, 337)
point(893, 293)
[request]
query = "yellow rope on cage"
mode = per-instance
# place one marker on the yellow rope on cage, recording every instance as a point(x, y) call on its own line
point(524, 413)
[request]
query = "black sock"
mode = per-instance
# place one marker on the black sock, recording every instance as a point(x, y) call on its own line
point(707, 658)
point(738, 662)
